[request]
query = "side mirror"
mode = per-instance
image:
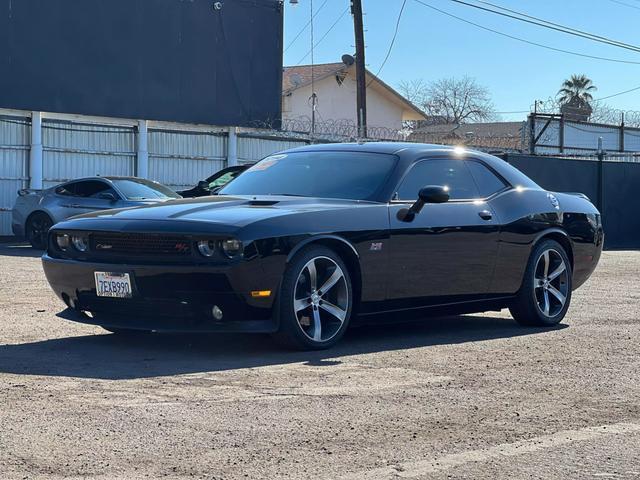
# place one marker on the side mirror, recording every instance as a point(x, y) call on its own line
point(202, 185)
point(428, 194)
point(433, 194)
point(108, 196)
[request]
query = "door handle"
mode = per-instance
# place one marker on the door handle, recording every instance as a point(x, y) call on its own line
point(485, 215)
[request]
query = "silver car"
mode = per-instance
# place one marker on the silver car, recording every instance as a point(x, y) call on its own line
point(36, 211)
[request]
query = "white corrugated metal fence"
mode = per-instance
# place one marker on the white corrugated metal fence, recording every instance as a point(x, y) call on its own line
point(15, 139)
point(179, 159)
point(75, 146)
point(72, 150)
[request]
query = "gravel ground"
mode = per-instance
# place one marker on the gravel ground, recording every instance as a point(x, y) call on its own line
point(464, 397)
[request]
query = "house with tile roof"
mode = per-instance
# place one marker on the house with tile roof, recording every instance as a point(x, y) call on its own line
point(335, 87)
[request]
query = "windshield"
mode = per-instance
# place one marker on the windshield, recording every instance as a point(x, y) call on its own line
point(224, 179)
point(140, 189)
point(348, 175)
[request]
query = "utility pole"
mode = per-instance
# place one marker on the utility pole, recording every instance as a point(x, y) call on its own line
point(361, 79)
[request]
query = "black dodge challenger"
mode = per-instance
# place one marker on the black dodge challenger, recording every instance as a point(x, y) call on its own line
point(311, 240)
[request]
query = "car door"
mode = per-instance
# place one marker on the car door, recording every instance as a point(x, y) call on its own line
point(88, 196)
point(447, 253)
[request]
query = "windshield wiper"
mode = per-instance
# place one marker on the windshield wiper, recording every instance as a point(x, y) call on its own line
point(287, 195)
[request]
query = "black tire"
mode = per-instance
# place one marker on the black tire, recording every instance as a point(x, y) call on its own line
point(298, 327)
point(37, 228)
point(539, 301)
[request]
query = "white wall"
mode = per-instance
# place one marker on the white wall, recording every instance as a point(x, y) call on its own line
point(338, 102)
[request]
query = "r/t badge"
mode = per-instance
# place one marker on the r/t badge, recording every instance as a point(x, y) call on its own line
point(376, 247)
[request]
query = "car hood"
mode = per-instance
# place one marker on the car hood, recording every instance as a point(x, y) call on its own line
point(226, 210)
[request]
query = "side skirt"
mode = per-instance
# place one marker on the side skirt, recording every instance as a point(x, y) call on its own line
point(458, 308)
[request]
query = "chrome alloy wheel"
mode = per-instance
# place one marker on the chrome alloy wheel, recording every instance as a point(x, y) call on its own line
point(551, 284)
point(321, 299)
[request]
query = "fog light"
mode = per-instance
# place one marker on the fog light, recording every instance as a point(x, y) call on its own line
point(216, 312)
point(207, 247)
point(81, 243)
point(231, 247)
point(62, 239)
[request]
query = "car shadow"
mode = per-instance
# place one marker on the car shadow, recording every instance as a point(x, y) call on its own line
point(19, 250)
point(115, 357)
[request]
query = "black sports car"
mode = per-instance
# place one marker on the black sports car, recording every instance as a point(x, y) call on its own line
point(313, 239)
point(214, 183)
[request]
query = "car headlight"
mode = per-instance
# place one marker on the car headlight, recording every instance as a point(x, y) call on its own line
point(232, 247)
point(206, 247)
point(62, 240)
point(80, 242)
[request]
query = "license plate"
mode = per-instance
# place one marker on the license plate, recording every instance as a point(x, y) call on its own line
point(114, 285)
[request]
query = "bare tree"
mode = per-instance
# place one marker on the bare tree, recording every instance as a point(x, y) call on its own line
point(452, 100)
point(603, 113)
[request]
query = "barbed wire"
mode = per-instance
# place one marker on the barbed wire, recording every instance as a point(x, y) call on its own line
point(301, 128)
point(600, 112)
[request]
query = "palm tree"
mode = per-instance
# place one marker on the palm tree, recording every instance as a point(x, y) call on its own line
point(575, 97)
point(576, 90)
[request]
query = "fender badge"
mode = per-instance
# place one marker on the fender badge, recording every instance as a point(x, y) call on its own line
point(376, 247)
point(554, 201)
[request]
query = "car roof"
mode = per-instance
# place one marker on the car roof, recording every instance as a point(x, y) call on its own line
point(108, 178)
point(376, 147)
point(409, 153)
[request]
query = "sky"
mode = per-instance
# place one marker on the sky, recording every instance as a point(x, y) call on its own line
point(430, 45)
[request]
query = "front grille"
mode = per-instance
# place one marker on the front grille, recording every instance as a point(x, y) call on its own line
point(140, 244)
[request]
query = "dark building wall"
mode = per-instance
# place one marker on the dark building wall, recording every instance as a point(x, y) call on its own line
point(175, 60)
point(620, 186)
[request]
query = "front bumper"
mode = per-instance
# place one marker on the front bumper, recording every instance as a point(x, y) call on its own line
point(17, 229)
point(172, 298)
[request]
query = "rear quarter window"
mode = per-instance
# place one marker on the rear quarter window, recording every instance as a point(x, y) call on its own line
point(488, 182)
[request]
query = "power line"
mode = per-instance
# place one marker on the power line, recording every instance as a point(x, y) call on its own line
point(616, 94)
point(519, 39)
point(393, 41)
point(581, 32)
point(594, 100)
point(302, 30)
point(625, 4)
point(551, 26)
point(344, 12)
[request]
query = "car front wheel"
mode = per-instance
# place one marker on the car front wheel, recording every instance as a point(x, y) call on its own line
point(315, 300)
point(545, 294)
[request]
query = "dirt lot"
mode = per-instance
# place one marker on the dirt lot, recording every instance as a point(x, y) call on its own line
point(465, 397)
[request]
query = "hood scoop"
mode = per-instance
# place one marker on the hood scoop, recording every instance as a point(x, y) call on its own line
point(263, 203)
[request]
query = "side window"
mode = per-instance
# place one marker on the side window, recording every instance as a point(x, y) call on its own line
point(487, 181)
point(92, 188)
point(450, 173)
point(68, 189)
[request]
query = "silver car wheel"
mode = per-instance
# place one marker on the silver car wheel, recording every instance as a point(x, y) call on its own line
point(551, 284)
point(321, 299)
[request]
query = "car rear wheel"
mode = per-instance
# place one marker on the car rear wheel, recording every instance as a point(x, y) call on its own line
point(545, 294)
point(37, 228)
point(315, 300)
